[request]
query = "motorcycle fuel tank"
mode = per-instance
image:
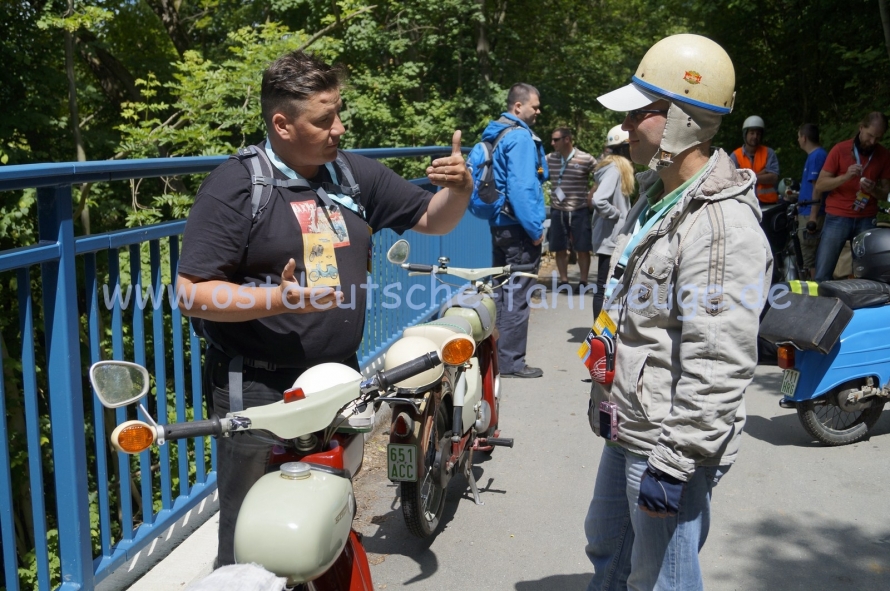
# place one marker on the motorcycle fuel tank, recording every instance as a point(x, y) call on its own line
point(295, 522)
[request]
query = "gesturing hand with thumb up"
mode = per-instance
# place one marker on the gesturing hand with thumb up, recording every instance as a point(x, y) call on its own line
point(451, 171)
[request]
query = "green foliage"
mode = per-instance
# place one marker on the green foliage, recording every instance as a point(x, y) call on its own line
point(83, 16)
point(17, 225)
point(28, 573)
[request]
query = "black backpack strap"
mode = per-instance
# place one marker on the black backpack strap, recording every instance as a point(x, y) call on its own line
point(347, 185)
point(262, 181)
point(259, 167)
point(351, 187)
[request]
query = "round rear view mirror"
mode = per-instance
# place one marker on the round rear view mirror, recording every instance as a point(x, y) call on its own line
point(398, 252)
point(119, 383)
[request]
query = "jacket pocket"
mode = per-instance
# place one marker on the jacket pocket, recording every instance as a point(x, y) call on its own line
point(650, 293)
point(654, 391)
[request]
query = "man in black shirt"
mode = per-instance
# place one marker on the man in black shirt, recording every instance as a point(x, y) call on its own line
point(264, 282)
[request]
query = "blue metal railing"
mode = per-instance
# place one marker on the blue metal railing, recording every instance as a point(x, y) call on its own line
point(56, 503)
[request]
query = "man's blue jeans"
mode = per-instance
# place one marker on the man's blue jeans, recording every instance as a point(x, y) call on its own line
point(835, 232)
point(631, 550)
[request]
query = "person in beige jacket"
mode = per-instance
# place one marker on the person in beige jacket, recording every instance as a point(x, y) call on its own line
point(684, 319)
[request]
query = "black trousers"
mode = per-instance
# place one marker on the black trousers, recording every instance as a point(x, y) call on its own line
point(510, 245)
point(242, 459)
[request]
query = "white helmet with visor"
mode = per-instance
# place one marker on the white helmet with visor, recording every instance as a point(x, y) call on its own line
point(692, 72)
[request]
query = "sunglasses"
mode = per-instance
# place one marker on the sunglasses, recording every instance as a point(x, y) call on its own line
point(637, 115)
point(555, 139)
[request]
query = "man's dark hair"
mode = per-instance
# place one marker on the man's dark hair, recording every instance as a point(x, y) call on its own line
point(810, 131)
point(292, 79)
point(563, 131)
point(520, 93)
point(872, 118)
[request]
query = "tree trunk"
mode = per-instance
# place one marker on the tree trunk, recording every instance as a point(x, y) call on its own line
point(114, 78)
point(483, 49)
point(885, 21)
point(72, 94)
point(75, 119)
point(168, 12)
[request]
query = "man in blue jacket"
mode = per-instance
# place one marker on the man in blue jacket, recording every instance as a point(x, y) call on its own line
point(518, 230)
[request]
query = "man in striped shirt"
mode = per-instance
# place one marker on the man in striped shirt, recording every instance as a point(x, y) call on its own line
point(570, 173)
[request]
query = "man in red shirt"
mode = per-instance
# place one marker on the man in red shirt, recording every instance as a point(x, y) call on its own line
point(856, 176)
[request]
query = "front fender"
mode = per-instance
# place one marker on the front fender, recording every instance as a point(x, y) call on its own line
point(863, 350)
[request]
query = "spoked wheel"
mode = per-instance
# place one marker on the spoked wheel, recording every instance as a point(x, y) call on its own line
point(423, 502)
point(834, 421)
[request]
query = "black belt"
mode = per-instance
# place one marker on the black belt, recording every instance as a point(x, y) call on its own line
point(236, 366)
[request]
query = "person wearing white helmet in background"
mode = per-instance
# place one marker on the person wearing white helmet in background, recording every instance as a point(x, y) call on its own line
point(757, 157)
point(614, 175)
point(683, 322)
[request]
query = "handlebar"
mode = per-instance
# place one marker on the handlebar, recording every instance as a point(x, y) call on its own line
point(173, 431)
point(468, 274)
point(386, 378)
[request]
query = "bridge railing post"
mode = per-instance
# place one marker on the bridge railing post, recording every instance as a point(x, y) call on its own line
point(59, 279)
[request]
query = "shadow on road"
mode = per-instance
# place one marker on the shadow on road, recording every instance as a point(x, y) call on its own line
point(810, 553)
point(771, 382)
point(556, 583)
point(392, 535)
point(787, 430)
point(779, 431)
point(576, 335)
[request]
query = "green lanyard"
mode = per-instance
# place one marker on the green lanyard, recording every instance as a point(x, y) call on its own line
point(668, 201)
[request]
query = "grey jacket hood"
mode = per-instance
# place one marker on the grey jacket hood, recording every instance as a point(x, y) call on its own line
point(721, 180)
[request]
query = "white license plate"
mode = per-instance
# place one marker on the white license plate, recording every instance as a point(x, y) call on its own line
point(401, 462)
point(789, 382)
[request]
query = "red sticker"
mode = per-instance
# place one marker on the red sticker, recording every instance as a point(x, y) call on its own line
point(692, 77)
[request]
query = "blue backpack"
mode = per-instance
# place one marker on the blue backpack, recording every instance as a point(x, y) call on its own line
point(487, 202)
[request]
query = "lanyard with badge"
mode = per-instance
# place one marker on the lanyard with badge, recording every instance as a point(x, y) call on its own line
point(558, 193)
point(861, 196)
point(597, 350)
point(322, 223)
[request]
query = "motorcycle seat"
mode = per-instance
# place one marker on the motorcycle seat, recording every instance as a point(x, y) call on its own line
point(857, 293)
point(438, 331)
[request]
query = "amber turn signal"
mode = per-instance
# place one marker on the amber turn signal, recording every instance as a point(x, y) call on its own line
point(457, 350)
point(785, 356)
point(133, 437)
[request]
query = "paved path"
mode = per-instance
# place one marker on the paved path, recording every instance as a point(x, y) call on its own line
point(790, 515)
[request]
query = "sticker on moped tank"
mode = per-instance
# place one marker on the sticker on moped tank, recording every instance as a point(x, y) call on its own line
point(789, 382)
point(401, 462)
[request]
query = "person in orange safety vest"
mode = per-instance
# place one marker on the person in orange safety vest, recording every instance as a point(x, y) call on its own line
point(757, 157)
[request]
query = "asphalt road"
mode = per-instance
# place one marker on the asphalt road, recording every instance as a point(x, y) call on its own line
point(790, 515)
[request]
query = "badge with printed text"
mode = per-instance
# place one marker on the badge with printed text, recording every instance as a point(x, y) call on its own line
point(861, 201)
point(320, 261)
point(318, 220)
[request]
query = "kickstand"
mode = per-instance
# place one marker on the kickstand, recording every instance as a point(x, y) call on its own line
point(468, 472)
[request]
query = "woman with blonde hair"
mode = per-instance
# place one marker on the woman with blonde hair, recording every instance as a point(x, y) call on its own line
point(614, 176)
